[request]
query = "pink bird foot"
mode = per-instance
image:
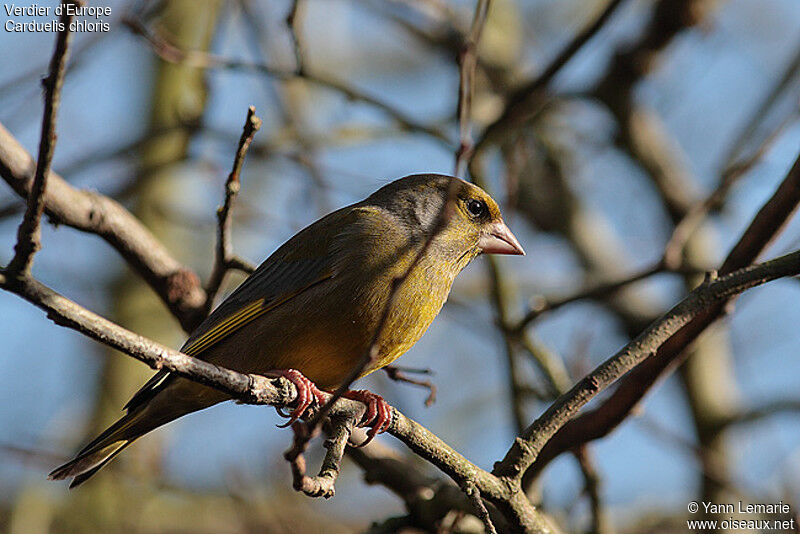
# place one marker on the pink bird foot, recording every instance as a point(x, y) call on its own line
point(378, 416)
point(307, 393)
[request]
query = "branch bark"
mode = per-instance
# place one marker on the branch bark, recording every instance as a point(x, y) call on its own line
point(176, 284)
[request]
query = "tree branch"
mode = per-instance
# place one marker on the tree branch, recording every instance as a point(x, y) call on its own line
point(481, 512)
point(177, 285)
point(297, 46)
point(599, 422)
point(194, 58)
point(279, 392)
point(400, 374)
point(529, 98)
point(467, 62)
point(224, 259)
point(713, 292)
point(29, 231)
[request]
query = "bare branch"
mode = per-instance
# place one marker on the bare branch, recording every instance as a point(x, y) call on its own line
point(29, 232)
point(599, 422)
point(467, 62)
point(224, 260)
point(195, 58)
point(241, 265)
point(474, 495)
point(743, 155)
point(525, 101)
point(400, 374)
point(321, 485)
point(540, 306)
point(297, 46)
point(768, 409)
point(177, 285)
point(711, 293)
point(279, 392)
point(755, 132)
point(592, 488)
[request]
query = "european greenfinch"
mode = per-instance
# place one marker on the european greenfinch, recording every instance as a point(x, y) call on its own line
point(310, 311)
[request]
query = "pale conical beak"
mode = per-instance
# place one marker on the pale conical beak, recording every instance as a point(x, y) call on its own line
point(498, 239)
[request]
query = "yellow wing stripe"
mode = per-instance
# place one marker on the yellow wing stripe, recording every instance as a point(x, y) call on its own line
point(240, 318)
point(225, 327)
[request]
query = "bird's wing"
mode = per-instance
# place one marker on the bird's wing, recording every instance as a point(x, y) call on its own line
point(259, 294)
point(272, 284)
point(301, 263)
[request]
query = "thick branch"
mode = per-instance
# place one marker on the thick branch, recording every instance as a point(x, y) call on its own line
point(177, 285)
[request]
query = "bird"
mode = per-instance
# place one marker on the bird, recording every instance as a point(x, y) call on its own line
point(312, 309)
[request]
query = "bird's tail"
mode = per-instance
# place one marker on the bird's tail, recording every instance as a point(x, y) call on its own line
point(103, 449)
point(159, 402)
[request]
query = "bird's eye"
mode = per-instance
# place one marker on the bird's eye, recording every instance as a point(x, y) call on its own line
point(477, 208)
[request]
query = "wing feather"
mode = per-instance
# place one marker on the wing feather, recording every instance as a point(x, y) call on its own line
point(306, 260)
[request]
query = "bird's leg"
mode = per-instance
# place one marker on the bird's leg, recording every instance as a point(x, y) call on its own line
point(378, 415)
point(307, 392)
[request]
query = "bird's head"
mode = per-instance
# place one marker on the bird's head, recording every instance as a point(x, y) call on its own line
point(473, 224)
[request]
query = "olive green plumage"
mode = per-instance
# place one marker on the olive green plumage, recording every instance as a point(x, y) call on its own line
point(315, 303)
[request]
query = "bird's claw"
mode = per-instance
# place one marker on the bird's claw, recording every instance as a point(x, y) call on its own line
point(307, 393)
point(378, 416)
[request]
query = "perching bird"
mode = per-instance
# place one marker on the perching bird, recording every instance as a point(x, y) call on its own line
point(313, 306)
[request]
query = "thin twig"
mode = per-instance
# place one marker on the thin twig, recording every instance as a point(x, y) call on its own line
point(761, 114)
point(592, 481)
point(500, 295)
point(29, 231)
point(768, 409)
point(733, 171)
point(399, 374)
point(530, 97)
point(481, 512)
point(322, 485)
point(467, 62)
point(241, 265)
point(224, 259)
point(539, 306)
point(297, 45)
point(12, 208)
point(195, 58)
